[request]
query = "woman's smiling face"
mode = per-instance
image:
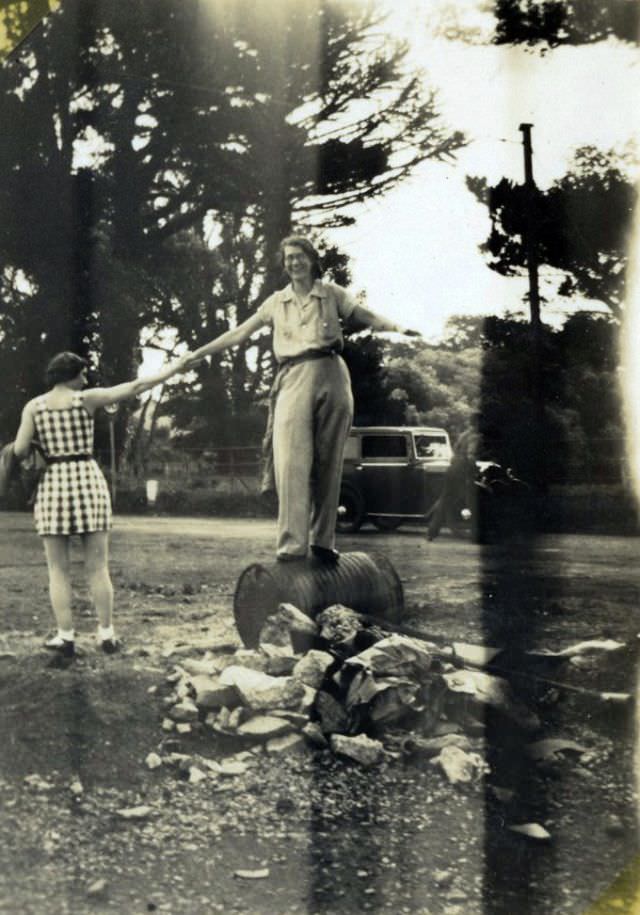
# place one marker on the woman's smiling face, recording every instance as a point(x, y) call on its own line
point(296, 262)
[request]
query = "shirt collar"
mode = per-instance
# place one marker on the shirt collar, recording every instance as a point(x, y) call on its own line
point(318, 289)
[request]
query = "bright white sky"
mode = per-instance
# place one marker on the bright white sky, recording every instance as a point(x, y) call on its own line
point(415, 252)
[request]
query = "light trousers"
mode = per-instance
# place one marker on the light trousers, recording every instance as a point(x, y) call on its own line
point(312, 418)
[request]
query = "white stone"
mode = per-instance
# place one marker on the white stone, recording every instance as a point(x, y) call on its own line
point(248, 657)
point(286, 744)
point(308, 700)
point(231, 767)
point(134, 813)
point(360, 748)
point(459, 766)
point(264, 727)
point(186, 710)
point(208, 667)
point(260, 691)
point(312, 667)
point(211, 693)
point(196, 775)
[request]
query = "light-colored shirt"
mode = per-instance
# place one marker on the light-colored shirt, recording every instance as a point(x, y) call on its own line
point(313, 323)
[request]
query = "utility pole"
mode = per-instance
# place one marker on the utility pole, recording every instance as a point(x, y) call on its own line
point(538, 444)
point(530, 240)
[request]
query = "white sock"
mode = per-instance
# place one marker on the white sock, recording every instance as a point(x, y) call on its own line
point(67, 634)
point(105, 632)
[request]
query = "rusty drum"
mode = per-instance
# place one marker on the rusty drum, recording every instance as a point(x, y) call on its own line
point(364, 582)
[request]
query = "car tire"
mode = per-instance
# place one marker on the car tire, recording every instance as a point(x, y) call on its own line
point(386, 524)
point(350, 511)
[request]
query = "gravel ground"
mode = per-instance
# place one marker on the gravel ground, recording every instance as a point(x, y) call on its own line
point(314, 833)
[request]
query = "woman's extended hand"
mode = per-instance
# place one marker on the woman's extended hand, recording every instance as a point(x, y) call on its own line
point(191, 360)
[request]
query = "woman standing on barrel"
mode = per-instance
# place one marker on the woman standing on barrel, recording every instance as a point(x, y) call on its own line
point(312, 404)
point(72, 496)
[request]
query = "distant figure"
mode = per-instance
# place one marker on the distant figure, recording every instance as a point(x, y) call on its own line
point(458, 482)
point(72, 496)
point(312, 403)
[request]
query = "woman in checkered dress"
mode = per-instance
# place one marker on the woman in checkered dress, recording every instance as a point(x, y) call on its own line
point(72, 496)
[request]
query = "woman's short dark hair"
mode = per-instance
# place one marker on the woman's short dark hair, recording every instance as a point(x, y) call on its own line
point(64, 367)
point(299, 241)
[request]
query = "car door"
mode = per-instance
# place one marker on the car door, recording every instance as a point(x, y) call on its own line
point(433, 457)
point(386, 472)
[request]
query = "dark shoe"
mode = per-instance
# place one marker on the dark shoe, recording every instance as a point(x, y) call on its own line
point(110, 646)
point(64, 647)
point(325, 556)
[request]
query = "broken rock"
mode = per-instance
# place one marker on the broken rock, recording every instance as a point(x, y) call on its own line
point(211, 693)
point(460, 766)
point(396, 656)
point(184, 711)
point(279, 665)
point(264, 727)
point(302, 628)
point(495, 692)
point(476, 655)
point(134, 813)
point(207, 667)
point(311, 668)
point(261, 691)
point(432, 746)
point(333, 718)
point(196, 775)
point(532, 831)
point(286, 744)
point(360, 748)
point(296, 719)
point(250, 658)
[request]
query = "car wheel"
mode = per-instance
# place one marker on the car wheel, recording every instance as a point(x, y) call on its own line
point(386, 524)
point(350, 511)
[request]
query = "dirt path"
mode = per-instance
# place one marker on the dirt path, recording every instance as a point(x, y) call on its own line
point(335, 838)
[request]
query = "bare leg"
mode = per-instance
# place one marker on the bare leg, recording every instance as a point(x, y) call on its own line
point(56, 549)
point(96, 562)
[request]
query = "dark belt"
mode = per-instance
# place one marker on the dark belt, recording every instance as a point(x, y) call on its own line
point(307, 356)
point(68, 458)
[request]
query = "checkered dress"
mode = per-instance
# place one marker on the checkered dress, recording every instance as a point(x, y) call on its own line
point(72, 497)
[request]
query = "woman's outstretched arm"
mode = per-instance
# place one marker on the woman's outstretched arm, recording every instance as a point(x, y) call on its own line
point(375, 321)
point(230, 338)
point(100, 397)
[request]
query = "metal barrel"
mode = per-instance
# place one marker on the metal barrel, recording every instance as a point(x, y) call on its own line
point(365, 583)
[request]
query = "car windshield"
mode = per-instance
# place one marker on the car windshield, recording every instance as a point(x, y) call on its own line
point(432, 446)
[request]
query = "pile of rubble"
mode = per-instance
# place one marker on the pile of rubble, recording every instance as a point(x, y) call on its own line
point(338, 683)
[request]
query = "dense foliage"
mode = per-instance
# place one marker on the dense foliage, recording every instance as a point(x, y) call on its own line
point(557, 22)
point(581, 226)
point(159, 150)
